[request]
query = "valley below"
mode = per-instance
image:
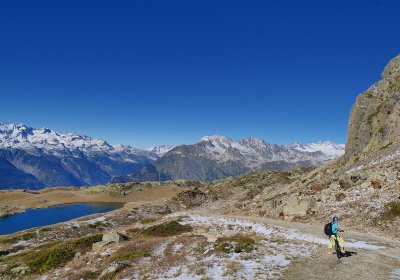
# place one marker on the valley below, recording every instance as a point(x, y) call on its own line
point(183, 232)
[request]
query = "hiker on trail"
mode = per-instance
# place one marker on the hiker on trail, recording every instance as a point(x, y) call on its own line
point(332, 230)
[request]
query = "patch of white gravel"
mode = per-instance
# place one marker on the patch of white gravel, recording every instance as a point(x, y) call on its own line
point(395, 274)
point(276, 248)
point(160, 250)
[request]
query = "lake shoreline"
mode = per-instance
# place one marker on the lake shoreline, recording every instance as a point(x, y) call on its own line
point(14, 202)
point(35, 218)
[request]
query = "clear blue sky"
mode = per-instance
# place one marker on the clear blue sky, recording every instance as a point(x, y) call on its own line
point(152, 72)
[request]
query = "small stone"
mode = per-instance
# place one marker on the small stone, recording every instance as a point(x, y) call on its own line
point(212, 239)
point(202, 230)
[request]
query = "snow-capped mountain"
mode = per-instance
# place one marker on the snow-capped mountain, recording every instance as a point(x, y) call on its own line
point(330, 149)
point(48, 141)
point(55, 158)
point(33, 158)
point(216, 157)
point(256, 152)
point(160, 150)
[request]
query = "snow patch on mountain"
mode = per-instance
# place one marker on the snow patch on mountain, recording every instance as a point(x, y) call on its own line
point(255, 152)
point(48, 141)
point(160, 150)
point(330, 149)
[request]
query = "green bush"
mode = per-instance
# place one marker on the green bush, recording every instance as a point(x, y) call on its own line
point(167, 229)
point(15, 239)
point(45, 229)
point(29, 235)
point(46, 261)
point(86, 242)
point(392, 210)
point(148, 220)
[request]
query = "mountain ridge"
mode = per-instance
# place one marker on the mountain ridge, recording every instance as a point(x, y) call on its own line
point(70, 159)
point(217, 157)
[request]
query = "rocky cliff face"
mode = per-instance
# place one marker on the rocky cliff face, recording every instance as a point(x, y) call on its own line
point(375, 117)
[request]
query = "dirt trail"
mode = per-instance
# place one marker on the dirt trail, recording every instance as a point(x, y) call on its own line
point(366, 264)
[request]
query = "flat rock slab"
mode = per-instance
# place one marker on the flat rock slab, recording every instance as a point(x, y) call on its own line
point(114, 237)
point(98, 245)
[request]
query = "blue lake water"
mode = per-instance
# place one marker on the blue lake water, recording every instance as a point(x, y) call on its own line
point(52, 215)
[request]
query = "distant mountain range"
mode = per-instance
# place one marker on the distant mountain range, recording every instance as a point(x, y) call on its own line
point(34, 158)
point(49, 158)
point(217, 157)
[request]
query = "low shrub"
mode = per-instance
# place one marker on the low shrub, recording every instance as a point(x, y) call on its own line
point(45, 229)
point(148, 220)
point(167, 229)
point(237, 244)
point(392, 210)
point(48, 260)
point(29, 235)
point(86, 242)
point(130, 256)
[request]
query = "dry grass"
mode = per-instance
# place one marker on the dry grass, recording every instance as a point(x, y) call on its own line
point(232, 268)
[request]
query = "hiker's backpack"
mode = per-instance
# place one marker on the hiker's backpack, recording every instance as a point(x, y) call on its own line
point(328, 229)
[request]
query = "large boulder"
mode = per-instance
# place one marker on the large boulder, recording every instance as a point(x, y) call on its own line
point(114, 236)
point(299, 206)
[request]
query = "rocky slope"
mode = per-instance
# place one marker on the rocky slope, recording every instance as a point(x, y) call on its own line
point(46, 157)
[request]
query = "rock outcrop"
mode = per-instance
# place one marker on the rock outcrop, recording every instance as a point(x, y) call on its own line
point(375, 117)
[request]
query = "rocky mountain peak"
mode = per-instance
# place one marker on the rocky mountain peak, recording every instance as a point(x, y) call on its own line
point(374, 120)
point(392, 69)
